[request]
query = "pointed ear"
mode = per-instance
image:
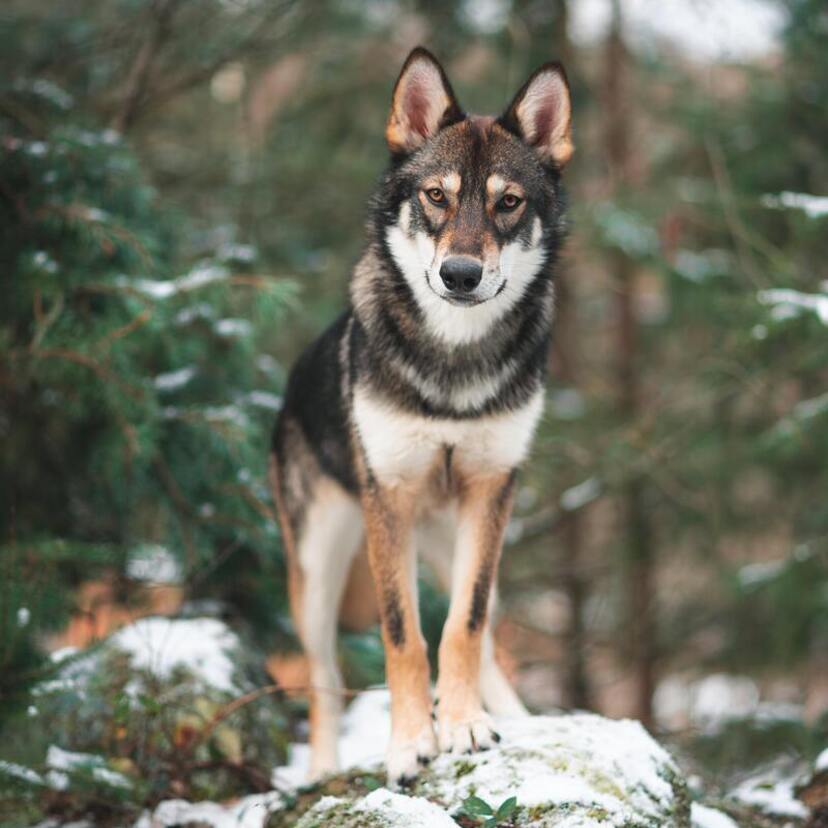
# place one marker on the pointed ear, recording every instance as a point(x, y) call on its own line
point(423, 103)
point(541, 114)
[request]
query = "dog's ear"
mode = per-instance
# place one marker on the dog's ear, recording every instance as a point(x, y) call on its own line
point(541, 114)
point(423, 103)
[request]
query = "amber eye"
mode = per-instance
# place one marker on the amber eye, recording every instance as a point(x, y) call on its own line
point(508, 202)
point(436, 196)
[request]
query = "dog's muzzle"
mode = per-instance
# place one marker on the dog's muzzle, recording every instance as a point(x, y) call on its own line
point(461, 276)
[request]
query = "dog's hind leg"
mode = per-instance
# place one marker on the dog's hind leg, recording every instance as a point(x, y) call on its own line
point(320, 548)
point(499, 697)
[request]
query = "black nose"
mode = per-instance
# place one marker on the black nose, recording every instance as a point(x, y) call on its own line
point(461, 275)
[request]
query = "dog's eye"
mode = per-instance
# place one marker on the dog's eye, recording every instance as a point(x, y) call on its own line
point(436, 196)
point(508, 202)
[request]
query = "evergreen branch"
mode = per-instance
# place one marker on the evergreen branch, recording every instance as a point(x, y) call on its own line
point(260, 692)
point(256, 503)
point(203, 74)
point(86, 215)
point(119, 333)
point(103, 373)
point(44, 321)
point(162, 12)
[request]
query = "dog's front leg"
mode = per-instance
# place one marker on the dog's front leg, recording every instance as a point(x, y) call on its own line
point(485, 504)
point(389, 534)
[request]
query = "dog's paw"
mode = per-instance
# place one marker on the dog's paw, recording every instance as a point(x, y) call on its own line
point(406, 757)
point(467, 734)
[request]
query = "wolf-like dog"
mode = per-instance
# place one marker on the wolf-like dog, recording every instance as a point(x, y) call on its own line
point(403, 425)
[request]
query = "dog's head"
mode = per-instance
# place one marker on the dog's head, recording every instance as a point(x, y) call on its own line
point(472, 206)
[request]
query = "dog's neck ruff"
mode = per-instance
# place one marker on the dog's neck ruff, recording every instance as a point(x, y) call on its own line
point(492, 360)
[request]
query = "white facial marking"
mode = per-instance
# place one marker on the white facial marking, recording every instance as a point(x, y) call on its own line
point(402, 447)
point(499, 289)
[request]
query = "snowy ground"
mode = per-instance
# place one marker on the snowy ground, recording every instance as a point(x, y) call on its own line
point(578, 765)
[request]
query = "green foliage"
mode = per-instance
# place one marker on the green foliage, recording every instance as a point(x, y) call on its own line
point(485, 815)
point(136, 409)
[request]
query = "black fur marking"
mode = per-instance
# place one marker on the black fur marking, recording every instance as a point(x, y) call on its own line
point(480, 598)
point(393, 620)
point(483, 583)
point(314, 399)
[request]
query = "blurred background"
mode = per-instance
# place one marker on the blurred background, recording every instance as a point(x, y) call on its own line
point(182, 196)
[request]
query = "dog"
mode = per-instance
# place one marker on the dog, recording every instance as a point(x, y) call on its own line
point(404, 424)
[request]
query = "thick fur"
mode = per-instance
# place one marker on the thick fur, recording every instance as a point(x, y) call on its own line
point(404, 423)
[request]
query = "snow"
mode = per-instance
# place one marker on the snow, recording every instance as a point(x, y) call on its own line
point(573, 765)
point(173, 380)
point(812, 407)
point(226, 413)
point(578, 759)
point(96, 214)
point(703, 817)
point(204, 273)
point(233, 327)
point(154, 564)
point(786, 303)
point(201, 310)
point(199, 645)
point(758, 573)
point(771, 796)
point(249, 812)
point(20, 772)
point(395, 808)
point(814, 206)
point(821, 763)
point(61, 762)
point(47, 90)
point(366, 729)
point(234, 252)
point(24, 615)
point(45, 262)
point(574, 760)
point(267, 365)
point(698, 267)
point(264, 399)
point(578, 496)
point(713, 701)
point(63, 653)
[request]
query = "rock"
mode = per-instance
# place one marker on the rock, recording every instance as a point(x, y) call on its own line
point(570, 771)
point(378, 808)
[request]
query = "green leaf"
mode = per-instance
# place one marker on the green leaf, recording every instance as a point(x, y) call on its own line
point(475, 806)
point(507, 808)
point(371, 782)
point(491, 822)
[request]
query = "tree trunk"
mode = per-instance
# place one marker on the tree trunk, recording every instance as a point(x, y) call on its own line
point(639, 551)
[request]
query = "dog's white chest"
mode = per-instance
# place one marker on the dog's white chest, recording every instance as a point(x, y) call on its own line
point(401, 446)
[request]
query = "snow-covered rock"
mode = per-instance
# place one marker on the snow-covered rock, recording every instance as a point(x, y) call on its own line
point(573, 770)
point(378, 808)
point(570, 771)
